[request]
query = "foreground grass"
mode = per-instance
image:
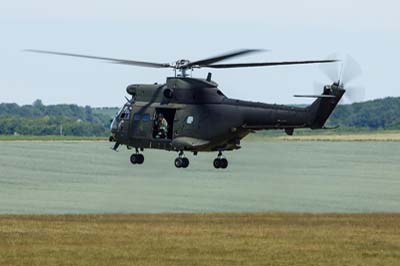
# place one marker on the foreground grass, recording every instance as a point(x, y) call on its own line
point(201, 239)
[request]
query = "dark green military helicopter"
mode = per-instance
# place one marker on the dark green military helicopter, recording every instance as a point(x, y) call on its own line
point(194, 115)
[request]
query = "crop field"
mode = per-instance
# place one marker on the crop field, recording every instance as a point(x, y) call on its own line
point(41, 177)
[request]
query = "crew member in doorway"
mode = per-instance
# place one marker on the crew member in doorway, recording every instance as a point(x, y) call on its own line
point(162, 127)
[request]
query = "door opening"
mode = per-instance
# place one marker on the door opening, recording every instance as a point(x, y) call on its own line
point(163, 123)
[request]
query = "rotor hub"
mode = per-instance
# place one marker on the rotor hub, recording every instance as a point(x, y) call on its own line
point(183, 64)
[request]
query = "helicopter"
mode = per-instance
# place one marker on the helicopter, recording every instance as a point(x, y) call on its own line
point(187, 114)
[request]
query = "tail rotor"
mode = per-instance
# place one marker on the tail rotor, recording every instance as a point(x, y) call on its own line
point(344, 75)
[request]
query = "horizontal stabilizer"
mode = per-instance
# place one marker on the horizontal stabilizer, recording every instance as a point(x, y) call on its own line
point(315, 96)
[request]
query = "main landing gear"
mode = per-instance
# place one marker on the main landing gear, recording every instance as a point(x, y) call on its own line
point(137, 158)
point(220, 162)
point(181, 161)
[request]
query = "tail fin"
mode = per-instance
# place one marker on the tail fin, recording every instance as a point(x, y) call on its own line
point(321, 109)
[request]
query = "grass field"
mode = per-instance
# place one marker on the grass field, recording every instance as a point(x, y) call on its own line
point(49, 138)
point(40, 177)
point(201, 239)
point(58, 177)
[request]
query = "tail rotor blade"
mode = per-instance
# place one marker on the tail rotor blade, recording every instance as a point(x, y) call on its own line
point(318, 87)
point(355, 94)
point(331, 70)
point(348, 71)
point(351, 70)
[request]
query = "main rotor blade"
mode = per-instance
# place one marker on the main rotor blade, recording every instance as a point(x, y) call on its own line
point(219, 58)
point(112, 60)
point(269, 64)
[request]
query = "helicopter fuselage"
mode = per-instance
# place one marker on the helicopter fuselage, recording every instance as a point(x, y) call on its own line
point(201, 118)
point(189, 114)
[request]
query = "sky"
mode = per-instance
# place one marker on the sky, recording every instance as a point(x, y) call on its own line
point(165, 31)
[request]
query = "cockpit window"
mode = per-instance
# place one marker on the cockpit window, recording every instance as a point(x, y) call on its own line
point(137, 117)
point(146, 117)
point(220, 93)
point(125, 112)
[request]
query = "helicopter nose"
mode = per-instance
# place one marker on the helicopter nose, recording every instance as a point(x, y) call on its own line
point(114, 125)
point(114, 133)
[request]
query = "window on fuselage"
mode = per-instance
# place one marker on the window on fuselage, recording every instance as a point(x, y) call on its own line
point(189, 120)
point(137, 117)
point(146, 117)
point(141, 117)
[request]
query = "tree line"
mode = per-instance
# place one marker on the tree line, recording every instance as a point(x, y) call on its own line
point(375, 114)
point(74, 120)
point(61, 119)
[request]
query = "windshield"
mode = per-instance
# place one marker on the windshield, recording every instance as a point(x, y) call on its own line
point(122, 114)
point(125, 112)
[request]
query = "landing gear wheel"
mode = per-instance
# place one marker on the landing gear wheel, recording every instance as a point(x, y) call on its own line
point(217, 163)
point(181, 161)
point(178, 162)
point(140, 158)
point(137, 158)
point(220, 161)
point(223, 163)
point(185, 162)
point(134, 159)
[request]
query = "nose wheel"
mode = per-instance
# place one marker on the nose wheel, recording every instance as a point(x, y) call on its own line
point(220, 162)
point(181, 161)
point(137, 158)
